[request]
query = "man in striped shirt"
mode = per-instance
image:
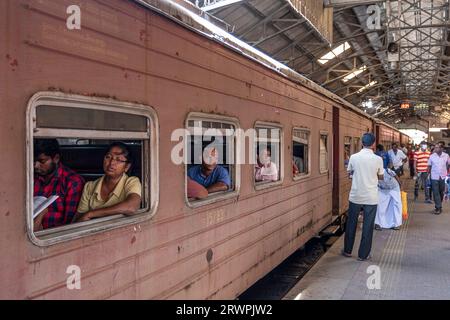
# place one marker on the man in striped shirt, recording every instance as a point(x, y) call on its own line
point(421, 170)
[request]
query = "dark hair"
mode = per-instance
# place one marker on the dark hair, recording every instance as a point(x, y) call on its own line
point(266, 147)
point(380, 147)
point(49, 147)
point(368, 139)
point(394, 143)
point(126, 151)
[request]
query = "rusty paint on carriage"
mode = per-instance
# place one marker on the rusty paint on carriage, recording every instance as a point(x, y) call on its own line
point(175, 71)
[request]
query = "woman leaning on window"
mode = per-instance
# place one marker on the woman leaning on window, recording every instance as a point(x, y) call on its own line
point(115, 192)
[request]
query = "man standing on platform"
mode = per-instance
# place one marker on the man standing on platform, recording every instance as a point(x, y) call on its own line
point(421, 171)
point(411, 154)
point(437, 166)
point(365, 169)
point(398, 158)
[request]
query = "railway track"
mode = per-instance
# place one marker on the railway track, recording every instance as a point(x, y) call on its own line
point(277, 283)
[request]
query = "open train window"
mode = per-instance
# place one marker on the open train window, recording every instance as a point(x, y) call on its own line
point(84, 128)
point(323, 153)
point(347, 150)
point(300, 152)
point(211, 171)
point(268, 170)
point(356, 145)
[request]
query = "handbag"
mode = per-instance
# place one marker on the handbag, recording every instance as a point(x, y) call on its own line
point(404, 205)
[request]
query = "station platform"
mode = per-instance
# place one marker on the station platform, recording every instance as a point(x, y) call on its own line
point(413, 262)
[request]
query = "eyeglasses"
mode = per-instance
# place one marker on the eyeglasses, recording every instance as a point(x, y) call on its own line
point(109, 157)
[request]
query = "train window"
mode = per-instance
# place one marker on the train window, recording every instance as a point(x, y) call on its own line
point(356, 145)
point(300, 152)
point(268, 171)
point(88, 119)
point(347, 150)
point(323, 153)
point(83, 128)
point(211, 170)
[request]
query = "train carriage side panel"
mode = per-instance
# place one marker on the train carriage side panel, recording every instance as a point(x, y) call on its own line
point(12, 136)
point(386, 136)
point(404, 139)
point(396, 136)
point(132, 54)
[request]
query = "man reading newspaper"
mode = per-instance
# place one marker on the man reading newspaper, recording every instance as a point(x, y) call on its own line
point(51, 178)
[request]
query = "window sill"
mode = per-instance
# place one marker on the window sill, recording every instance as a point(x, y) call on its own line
point(267, 185)
point(217, 197)
point(302, 176)
point(75, 231)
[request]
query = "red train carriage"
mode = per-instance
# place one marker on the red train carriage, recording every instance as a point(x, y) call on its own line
point(386, 134)
point(404, 139)
point(135, 74)
point(352, 126)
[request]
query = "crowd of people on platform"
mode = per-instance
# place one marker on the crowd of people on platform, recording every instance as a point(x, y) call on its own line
point(376, 186)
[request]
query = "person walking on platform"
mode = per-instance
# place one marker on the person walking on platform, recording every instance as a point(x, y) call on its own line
point(365, 169)
point(421, 171)
point(383, 154)
point(398, 158)
point(411, 154)
point(438, 165)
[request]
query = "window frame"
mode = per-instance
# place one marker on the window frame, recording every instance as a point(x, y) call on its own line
point(302, 176)
point(224, 195)
point(351, 149)
point(354, 141)
point(150, 183)
point(324, 133)
point(257, 186)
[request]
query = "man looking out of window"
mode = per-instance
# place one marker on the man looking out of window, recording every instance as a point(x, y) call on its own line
point(209, 174)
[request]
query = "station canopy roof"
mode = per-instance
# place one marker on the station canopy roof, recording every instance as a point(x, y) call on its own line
point(389, 58)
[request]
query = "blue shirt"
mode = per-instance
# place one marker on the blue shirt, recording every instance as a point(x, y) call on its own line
point(219, 174)
point(385, 156)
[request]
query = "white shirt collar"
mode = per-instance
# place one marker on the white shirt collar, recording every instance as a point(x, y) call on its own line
point(367, 150)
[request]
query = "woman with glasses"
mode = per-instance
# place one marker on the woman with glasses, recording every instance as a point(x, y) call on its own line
point(115, 192)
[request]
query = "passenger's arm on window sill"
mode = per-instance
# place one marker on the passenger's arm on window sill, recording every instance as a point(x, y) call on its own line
point(217, 187)
point(127, 207)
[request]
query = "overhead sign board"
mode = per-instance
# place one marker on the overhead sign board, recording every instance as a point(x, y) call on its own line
point(405, 105)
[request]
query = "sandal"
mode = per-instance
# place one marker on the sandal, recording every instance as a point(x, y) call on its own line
point(368, 258)
point(345, 254)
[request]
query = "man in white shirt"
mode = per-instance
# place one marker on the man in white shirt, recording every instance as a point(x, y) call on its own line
point(438, 165)
point(365, 169)
point(265, 169)
point(398, 158)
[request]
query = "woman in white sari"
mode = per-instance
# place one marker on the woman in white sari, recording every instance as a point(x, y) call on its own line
point(389, 211)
